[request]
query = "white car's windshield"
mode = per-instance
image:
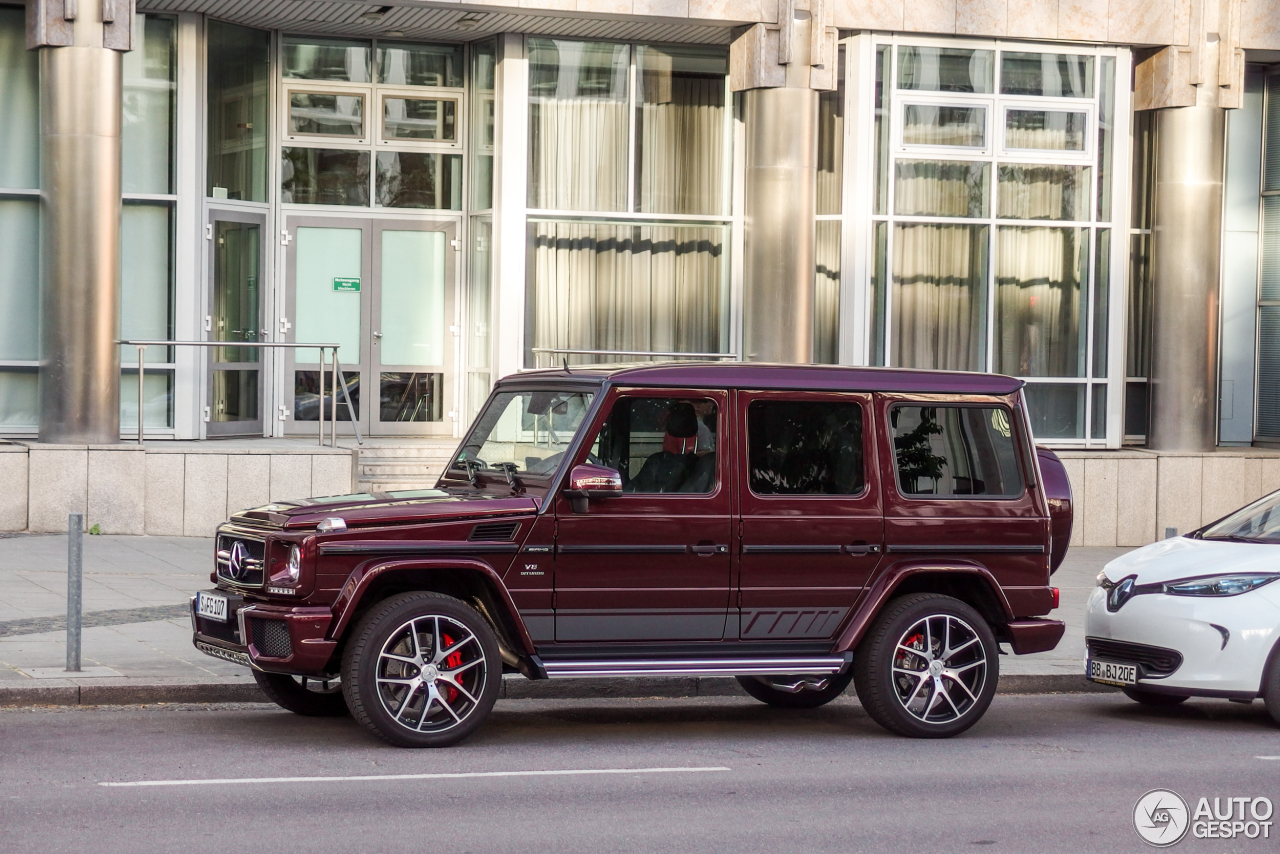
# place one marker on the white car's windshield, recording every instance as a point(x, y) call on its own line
point(1259, 522)
point(528, 429)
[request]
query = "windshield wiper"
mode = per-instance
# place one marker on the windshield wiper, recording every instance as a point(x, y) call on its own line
point(510, 469)
point(473, 471)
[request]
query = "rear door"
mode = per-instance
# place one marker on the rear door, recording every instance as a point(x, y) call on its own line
point(812, 530)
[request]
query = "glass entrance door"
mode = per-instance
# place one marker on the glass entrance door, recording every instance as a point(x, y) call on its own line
point(235, 314)
point(384, 292)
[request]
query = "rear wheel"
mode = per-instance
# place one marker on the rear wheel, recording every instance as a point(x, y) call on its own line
point(421, 670)
point(928, 667)
point(302, 695)
point(764, 689)
point(1151, 698)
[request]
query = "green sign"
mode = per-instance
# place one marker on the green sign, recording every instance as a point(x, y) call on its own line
point(350, 286)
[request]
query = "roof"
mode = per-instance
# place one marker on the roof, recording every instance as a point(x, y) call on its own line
point(759, 375)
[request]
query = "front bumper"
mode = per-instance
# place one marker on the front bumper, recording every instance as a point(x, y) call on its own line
point(1212, 665)
point(270, 638)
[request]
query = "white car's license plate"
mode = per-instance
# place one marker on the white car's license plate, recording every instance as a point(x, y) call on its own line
point(211, 606)
point(1112, 673)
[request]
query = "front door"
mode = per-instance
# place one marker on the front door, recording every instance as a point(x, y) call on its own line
point(235, 314)
point(652, 564)
point(812, 528)
point(383, 290)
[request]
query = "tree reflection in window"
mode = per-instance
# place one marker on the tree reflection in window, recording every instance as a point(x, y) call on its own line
point(805, 448)
point(955, 450)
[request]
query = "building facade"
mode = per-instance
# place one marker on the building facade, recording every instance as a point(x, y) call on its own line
point(1083, 194)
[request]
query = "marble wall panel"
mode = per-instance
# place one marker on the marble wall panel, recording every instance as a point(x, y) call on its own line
point(248, 481)
point(117, 491)
point(868, 14)
point(1141, 21)
point(1252, 479)
point(57, 484)
point(1178, 501)
point(1086, 20)
point(205, 493)
point(331, 474)
point(166, 494)
point(981, 17)
point(661, 8)
point(930, 16)
point(605, 7)
point(1222, 487)
point(1260, 28)
point(765, 11)
point(1101, 480)
point(1270, 475)
point(1032, 19)
point(290, 476)
point(1136, 510)
point(13, 490)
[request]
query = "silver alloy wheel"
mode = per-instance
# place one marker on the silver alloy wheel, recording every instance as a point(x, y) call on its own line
point(939, 669)
point(430, 674)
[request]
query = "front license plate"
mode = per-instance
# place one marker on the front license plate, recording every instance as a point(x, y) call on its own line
point(211, 606)
point(1111, 673)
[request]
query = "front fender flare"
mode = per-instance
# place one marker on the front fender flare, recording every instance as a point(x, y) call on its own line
point(886, 582)
point(365, 574)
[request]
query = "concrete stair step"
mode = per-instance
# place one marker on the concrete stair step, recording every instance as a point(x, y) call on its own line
point(371, 471)
point(393, 486)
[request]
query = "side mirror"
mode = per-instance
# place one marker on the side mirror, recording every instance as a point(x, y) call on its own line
point(587, 481)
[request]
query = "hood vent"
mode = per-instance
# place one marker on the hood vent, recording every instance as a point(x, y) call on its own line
point(494, 532)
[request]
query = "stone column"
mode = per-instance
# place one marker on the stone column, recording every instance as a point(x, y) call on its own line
point(781, 68)
point(1191, 88)
point(80, 98)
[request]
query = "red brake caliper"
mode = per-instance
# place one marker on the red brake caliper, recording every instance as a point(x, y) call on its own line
point(451, 661)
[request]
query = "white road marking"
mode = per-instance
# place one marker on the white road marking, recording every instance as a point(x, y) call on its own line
point(458, 776)
point(1266, 757)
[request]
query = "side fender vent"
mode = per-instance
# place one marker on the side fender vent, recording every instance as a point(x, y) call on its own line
point(494, 532)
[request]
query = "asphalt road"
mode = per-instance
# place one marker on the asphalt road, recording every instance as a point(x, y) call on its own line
point(1038, 774)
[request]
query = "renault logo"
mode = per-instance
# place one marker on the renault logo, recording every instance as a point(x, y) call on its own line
point(239, 556)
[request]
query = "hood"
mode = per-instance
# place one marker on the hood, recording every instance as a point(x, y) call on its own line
point(1184, 557)
point(400, 507)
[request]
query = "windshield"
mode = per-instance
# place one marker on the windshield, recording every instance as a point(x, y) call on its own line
point(532, 429)
point(1259, 522)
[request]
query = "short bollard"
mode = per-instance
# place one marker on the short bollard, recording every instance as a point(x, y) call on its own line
point(75, 570)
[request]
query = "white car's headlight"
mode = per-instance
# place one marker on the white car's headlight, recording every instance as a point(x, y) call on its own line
point(1219, 585)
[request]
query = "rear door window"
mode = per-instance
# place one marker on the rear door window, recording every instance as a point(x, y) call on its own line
point(805, 447)
point(955, 451)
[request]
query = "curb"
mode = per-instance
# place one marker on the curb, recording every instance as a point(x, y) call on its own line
point(517, 688)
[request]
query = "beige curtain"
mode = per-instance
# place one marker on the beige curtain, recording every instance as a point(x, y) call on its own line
point(941, 188)
point(1040, 274)
point(831, 146)
point(681, 131)
point(605, 286)
point(939, 276)
point(1044, 192)
point(826, 293)
point(578, 125)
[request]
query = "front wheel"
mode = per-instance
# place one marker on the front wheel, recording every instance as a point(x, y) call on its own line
point(302, 695)
point(764, 689)
point(928, 667)
point(421, 670)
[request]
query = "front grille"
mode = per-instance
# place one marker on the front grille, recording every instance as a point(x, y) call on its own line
point(271, 637)
point(240, 560)
point(1156, 661)
point(495, 531)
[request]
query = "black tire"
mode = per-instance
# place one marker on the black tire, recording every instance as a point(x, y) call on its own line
point(760, 688)
point(410, 690)
point(1151, 698)
point(311, 698)
point(958, 689)
point(1271, 686)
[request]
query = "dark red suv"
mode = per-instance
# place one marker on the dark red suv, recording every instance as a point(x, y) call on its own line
point(796, 527)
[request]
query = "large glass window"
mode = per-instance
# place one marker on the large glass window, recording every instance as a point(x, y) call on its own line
point(992, 221)
point(19, 105)
point(599, 145)
point(827, 242)
point(239, 67)
point(149, 98)
point(1268, 405)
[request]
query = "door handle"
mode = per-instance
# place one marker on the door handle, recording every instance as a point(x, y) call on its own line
point(708, 549)
point(860, 549)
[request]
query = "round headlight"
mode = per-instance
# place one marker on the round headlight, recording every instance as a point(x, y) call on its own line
point(293, 569)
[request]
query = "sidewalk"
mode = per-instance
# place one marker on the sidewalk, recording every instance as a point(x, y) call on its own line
point(135, 623)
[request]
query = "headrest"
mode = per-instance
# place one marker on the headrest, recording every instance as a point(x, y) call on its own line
point(682, 421)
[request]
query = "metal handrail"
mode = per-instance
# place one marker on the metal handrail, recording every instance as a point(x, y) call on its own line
point(141, 347)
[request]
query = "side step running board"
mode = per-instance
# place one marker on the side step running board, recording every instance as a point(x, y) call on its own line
point(825, 665)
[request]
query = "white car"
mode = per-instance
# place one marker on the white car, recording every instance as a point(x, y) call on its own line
point(1193, 616)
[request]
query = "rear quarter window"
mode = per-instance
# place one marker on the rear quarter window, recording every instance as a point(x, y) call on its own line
point(955, 451)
